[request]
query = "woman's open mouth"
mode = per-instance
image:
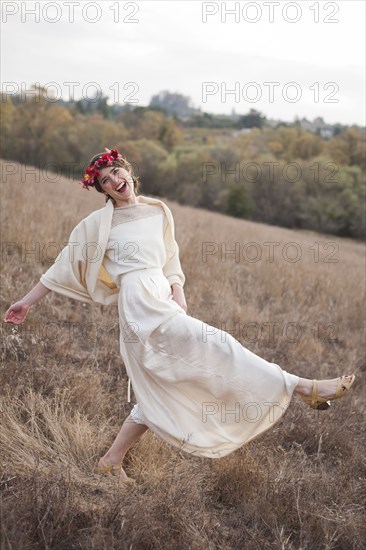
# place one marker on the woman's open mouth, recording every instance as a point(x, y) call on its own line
point(121, 188)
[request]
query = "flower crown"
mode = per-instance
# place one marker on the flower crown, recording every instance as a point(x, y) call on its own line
point(92, 171)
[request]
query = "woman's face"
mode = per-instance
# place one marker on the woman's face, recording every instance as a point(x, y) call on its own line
point(118, 184)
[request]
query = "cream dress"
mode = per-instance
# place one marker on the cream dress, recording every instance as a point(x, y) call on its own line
point(196, 386)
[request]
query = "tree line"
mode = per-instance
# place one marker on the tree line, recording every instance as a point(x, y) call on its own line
point(284, 176)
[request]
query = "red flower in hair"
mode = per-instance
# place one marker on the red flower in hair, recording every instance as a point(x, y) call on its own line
point(92, 172)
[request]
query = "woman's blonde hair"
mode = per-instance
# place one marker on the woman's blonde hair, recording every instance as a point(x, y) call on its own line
point(121, 163)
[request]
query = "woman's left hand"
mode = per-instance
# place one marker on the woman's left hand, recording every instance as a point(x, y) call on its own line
point(178, 296)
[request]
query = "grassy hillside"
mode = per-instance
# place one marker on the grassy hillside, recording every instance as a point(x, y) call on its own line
point(299, 485)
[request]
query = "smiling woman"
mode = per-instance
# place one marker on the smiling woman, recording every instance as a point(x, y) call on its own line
point(196, 386)
point(110, 178)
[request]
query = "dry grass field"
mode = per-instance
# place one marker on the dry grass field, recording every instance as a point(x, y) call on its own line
point(300, 485)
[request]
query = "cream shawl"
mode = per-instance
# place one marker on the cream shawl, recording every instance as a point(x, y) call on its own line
point(78, 271)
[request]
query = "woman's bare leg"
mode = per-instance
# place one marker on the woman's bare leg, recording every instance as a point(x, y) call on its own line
point(127, 436)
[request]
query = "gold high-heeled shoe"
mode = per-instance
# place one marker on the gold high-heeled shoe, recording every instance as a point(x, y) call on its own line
point(105, 468)
point(323, 403)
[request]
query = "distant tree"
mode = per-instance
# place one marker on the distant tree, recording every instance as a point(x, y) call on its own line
point(239, 204)
point(254, 119)
point(291, 143)
point(170, 134)
point(337, 129)
point(149, 125)
point(348, 148)
point(207, 120)
point(29, 126)
point(173, 103)
point(105, 133)
point(7, 111)
point(204, 120)
point(147, 155)
point(95, 105)
point(152, 124)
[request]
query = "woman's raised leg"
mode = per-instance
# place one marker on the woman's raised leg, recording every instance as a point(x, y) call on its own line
point(318, 393)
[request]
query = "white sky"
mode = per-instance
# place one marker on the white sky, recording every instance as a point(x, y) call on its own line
point(169, 47)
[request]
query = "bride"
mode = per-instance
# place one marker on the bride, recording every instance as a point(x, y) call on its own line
point(202, 395)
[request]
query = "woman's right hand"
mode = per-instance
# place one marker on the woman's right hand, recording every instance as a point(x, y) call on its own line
point(17, 313)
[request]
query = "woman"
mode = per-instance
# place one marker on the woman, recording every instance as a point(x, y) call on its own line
point(202, 393)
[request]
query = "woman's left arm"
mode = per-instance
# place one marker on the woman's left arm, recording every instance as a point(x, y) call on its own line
point(172, 268)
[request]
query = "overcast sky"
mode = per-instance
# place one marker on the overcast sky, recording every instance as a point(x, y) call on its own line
point(188, 47)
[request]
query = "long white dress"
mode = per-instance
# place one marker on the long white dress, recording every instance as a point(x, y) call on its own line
point(196, 386)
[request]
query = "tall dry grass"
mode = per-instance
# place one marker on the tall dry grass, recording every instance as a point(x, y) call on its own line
point(300, 485)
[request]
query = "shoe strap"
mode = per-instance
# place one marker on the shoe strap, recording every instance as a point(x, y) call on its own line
point(314, 393)
point(109, 468)
point(116, 467)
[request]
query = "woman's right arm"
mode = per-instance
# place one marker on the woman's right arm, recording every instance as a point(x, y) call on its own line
point(18, 311)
